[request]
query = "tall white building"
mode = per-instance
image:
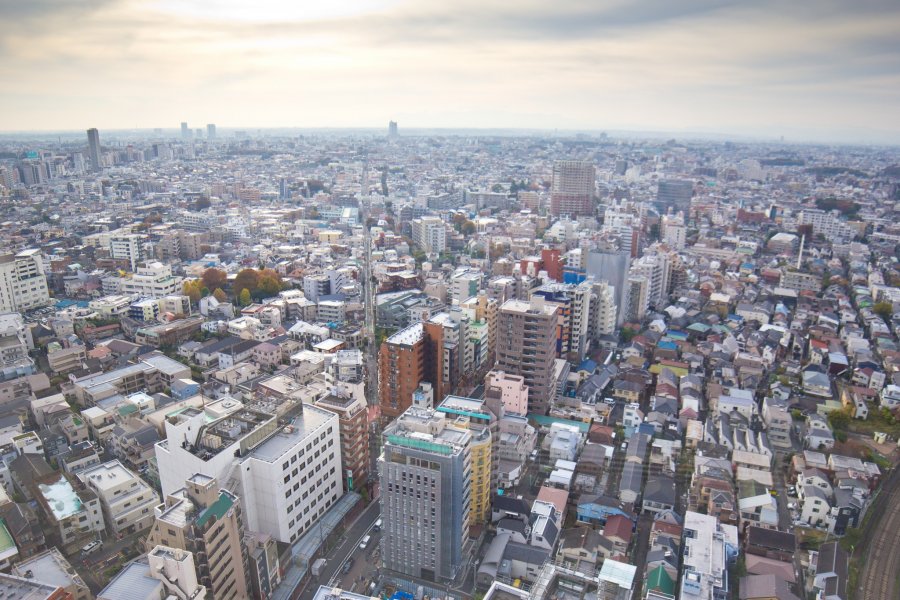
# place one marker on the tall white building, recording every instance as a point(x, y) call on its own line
point(673, 231)
point(127, 246)
point(637, 297)
point(430, 234)
point(23, 284)
point(152, 280)
point(603, 310)
point(287, 476)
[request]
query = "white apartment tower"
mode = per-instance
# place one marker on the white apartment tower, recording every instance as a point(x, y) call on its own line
point(23, 284)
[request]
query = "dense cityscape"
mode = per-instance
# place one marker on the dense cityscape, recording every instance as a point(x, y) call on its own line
point(327, 365)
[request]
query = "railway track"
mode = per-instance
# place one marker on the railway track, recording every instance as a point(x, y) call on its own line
point(882, 555)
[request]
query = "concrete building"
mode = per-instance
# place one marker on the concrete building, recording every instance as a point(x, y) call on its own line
point(126, 499)
point(526, 346)
point(51, 567)
point(207, 519)
point(425, 471)
point(675, 194)
point(23, 283)
point(511, 391)
point(352, 414)
point(162, 573)
point(473, 415)
point(152, 280)
point(429, 234)
point(572, 191)
point(401, 367)
point(709, 548)
point(286, 475)
point(94, 150)
point(128, 247)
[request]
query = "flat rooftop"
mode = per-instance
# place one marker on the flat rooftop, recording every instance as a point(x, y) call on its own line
point(286, 438)
point(408, 336)
point(61, 498)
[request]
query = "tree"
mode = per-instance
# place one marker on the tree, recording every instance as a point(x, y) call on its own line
point(268, 285)
point(191, 289)
point(247, 279)
point(214, 278)
point(884, 310)
point(245, 297)
point(839, 419)
point(220, 295)
point(468, 228)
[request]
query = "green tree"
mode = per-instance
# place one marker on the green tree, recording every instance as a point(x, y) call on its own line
point(884, 310)
point(839, 419)
point(245, 297)
point(214, 278)
point(204, 292)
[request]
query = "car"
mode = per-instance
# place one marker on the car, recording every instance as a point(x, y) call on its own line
point(348, 564)
point(378, 524)
point(92, 547)
point(365, 542)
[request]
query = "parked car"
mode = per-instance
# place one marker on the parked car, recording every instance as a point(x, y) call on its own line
point(365, 542)
point(89, 549)
point(347, 565)
point(378, 524)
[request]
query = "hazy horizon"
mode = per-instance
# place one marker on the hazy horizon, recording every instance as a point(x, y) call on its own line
point(811, 71)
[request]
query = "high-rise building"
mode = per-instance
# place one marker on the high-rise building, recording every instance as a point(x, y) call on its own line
point(637, 298)
point(573, 302)
point(23, 284)
point(675, 194)
point(392, 129)
point(603, 311)
point(353, 424)
point(526, 346)
point(425, 473)
point(572, 192)
point(611, 266)
point(287, 475)
point(185, 131)
point(211, 131)
point(401, 367)
point(430, 234)
point(205, 519)
point(94, 149)
point(475, 416)
point(482, 312)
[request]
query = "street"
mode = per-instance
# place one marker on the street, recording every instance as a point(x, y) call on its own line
point(349, 545)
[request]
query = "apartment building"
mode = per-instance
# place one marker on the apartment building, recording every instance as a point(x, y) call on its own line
point(23, 282)
point(709, 548)
point(206, 519)
point(126, 499)
point(472, 414)
point(352, 414)
point(425, 474)
point(526, 346)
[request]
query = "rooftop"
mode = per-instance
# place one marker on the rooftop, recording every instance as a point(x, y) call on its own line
point(408, 336)
point(301, 426)
point(61, 498)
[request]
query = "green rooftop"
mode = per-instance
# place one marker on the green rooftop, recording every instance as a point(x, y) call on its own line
point(217, 509)
point(6, 540)
point(658, 580)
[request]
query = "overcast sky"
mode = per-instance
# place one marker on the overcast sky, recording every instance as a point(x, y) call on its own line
point(805, 69)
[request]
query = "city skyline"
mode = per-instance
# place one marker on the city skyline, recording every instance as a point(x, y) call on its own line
point(810, 71)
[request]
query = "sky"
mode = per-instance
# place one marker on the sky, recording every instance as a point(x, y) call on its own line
point(824, 70)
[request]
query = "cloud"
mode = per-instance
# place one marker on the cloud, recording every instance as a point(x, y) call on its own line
point(653, 64)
